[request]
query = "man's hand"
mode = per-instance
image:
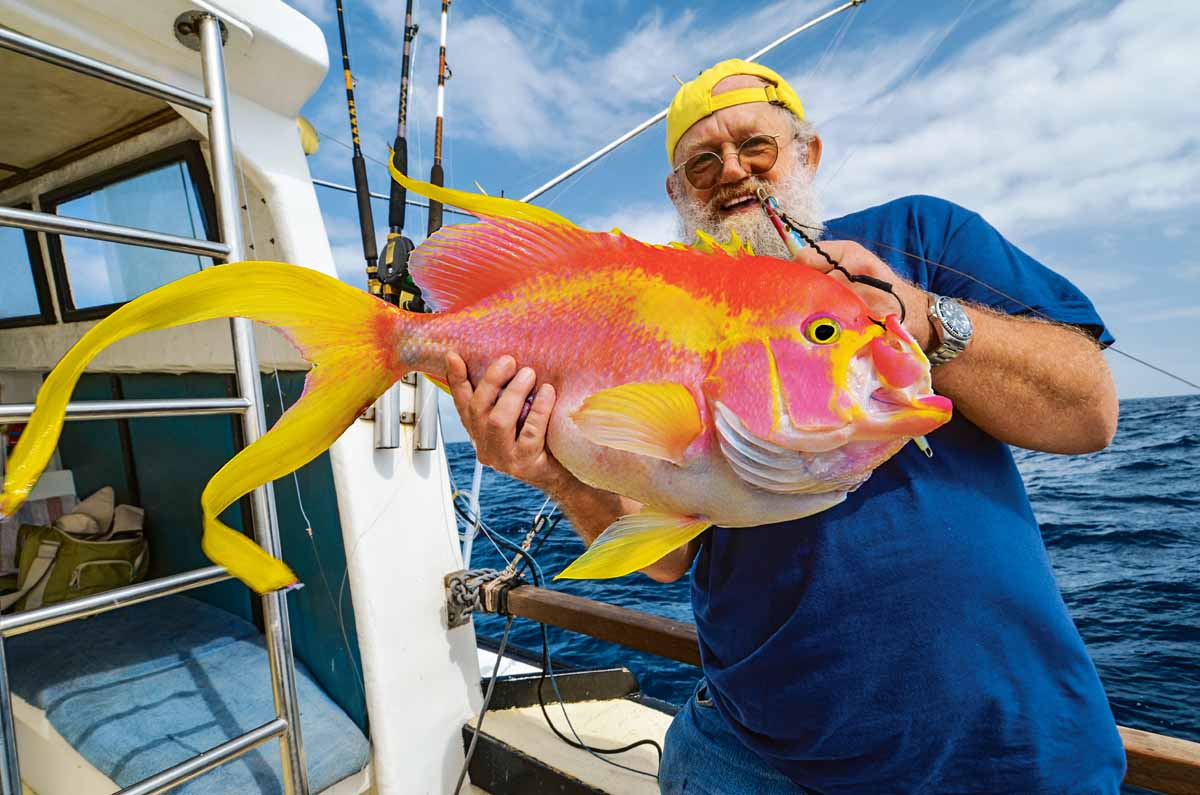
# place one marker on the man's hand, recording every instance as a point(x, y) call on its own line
point(491, 413)
point(860, 262)
point(1040, 385)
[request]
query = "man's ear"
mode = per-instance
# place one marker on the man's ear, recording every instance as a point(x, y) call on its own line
point(671, 187)
point(814, 153)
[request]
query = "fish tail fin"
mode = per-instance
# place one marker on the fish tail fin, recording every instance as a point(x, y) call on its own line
point(333, 325)
point(479, 204)
point(634, 542)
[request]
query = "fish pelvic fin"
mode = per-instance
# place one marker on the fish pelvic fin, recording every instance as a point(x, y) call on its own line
point(634, 542)
point(335, 326)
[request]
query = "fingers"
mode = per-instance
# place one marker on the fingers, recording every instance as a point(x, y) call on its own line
point(494, 413)
point(533, 434)
point(809, 258)
point(460, 388)
point(498, 373)
point(503, 417)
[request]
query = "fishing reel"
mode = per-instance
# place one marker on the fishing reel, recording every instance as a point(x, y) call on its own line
point(395, 280)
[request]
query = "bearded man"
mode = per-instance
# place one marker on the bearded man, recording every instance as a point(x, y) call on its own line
point(911, 639)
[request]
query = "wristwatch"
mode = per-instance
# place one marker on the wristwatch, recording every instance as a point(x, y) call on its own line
point(952, 329)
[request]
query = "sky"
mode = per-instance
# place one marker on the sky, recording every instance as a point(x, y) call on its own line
point(1072, 126)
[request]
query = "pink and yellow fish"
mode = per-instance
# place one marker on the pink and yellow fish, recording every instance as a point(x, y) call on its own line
point(715, 387)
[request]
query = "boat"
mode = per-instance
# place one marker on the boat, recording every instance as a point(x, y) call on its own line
point(141, 142)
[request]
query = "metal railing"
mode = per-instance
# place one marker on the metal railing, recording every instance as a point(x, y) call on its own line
point(79, 227)
point(130, 409)
point(249, 404)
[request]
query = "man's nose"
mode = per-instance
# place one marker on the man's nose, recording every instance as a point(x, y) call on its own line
point(731, 168)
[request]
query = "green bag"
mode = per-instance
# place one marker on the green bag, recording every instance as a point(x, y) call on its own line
point(55, 566)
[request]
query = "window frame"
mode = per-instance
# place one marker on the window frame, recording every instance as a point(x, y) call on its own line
point(187, 152)
point(41, 284)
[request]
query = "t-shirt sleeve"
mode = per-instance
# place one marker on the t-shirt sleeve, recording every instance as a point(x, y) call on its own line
point(989, 270)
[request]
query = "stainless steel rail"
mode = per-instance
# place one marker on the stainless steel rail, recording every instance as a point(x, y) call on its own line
point(203, 762)
point(80, 227)
point(11, 40)
point(122, 409)
point(62, 612)
point(254, 423)
point(286, 725)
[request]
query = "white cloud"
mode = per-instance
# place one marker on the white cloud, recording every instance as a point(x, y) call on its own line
point(650, 223)
point(1095, 120)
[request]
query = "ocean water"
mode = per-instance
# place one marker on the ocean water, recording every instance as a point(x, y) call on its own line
point(1122, 527)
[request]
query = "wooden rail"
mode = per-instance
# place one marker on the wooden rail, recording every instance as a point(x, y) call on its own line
point(1156, 762)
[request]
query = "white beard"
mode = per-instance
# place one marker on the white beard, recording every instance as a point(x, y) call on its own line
point(795, 194)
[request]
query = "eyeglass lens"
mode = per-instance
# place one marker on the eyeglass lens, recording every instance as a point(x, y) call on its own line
point(756, 155)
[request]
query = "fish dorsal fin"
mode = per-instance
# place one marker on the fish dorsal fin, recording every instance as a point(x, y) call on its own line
point(656, 420)
point(634, 542)
point(463, 264)
point(480, 205)
point(734, 246)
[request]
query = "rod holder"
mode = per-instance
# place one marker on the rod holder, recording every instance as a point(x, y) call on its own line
point(387, 419)
point(427, 414)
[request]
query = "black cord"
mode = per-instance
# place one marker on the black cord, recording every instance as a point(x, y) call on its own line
point(462, 775)
point(546, 666)
point(529, 562)
point(878, 284)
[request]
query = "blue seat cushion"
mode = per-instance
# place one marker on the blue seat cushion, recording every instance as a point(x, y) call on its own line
point(143, 688)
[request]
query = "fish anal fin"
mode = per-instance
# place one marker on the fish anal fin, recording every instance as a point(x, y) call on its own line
point(656, 420)
point(634, 542)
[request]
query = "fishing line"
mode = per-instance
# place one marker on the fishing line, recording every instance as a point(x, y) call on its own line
point(780, 219)
point(891, 95)
point(1033, 310)
point(834, 44)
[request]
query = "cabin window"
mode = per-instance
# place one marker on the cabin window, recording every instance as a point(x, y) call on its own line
point(166, 192)
point(25, 297)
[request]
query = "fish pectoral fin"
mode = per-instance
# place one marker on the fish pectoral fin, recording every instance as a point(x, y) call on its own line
point(634, 542)
point(655, 420)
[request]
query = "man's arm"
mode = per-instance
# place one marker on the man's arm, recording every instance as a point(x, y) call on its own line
point(490, 412)
point(1039, 385)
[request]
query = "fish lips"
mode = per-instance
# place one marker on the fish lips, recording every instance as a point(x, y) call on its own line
point(892, 412)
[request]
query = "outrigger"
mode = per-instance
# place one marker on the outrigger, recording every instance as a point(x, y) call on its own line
point(141, 142)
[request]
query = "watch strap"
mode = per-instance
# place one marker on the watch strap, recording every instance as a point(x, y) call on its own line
point(949, 346)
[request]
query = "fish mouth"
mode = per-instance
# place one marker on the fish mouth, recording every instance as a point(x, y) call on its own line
point(894, 412)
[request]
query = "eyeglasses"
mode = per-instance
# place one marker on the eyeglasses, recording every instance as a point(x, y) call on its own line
point(756, 155)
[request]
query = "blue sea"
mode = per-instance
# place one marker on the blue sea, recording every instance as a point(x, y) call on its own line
point(1122, 527)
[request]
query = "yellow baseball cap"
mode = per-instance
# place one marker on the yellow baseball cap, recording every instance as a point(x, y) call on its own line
point(694, 100)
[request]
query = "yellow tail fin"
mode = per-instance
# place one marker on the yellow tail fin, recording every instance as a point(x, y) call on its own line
point(335, 326)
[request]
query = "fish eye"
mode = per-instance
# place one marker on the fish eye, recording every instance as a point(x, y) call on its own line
point(822, 330)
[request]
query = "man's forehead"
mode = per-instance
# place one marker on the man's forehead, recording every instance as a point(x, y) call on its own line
point(731, 123)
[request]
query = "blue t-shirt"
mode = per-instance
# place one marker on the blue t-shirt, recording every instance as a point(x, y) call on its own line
point(913, 639)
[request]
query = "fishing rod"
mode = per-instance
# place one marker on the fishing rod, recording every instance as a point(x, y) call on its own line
point(436, 175)
point(662, 114)
point(366, 221)
point(398, 286)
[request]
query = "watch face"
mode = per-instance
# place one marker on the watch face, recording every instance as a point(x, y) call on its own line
point(954, 319)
